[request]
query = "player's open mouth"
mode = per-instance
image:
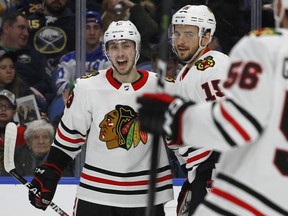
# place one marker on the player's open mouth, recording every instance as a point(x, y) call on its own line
point(122, 63)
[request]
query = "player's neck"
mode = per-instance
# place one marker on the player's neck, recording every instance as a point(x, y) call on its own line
point(190, 64)
point(129, 77)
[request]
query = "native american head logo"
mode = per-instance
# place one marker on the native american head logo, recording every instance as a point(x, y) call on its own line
point(203, 64)
point(120, 128)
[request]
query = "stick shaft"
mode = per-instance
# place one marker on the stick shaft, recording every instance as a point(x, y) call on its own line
point(150, 211)
point(161, 71)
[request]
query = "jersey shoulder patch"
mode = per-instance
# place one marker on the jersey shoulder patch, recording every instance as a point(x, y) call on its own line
point(169, 79)
point(94, 73)
point(203, 64)
point(264, 32)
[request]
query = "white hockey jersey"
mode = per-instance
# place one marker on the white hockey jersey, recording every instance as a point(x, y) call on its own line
point(101, 113)
point(251, 127)
point(201, 83)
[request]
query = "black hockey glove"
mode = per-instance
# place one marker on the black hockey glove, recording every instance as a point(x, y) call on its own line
point(161, 114)
point(184, 199)
point(45, 180)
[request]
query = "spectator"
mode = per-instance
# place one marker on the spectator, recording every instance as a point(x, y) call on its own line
point(7, 112)
point(53, 30)
point(30, 65)
point(8, 77)
point(28, 7)
point(39, 137)
point(66, 69)
point(137, 14)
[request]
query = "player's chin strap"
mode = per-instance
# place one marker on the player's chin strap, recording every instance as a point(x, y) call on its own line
point(200, 48)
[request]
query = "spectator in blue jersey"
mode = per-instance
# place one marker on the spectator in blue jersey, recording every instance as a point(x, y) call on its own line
point(65, 72)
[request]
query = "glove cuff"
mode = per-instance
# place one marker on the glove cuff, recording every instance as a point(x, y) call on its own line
point(58, 158)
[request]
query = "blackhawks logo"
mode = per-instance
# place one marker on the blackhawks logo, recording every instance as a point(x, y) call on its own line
point(203, 64)
point(120, 128)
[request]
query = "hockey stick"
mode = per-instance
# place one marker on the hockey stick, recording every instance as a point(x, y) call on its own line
point(161, 71)
point(9, 149)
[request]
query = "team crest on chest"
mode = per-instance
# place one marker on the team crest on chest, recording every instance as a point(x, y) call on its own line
point(120, 128)
point(203, 64)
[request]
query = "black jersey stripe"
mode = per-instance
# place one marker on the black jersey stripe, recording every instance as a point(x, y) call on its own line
point(252, 193)
point(244, 113)
point(129, 174)
point(221, 129)
point(217, 209)
point(66, 147)
point(124, 192)
point(70, 131)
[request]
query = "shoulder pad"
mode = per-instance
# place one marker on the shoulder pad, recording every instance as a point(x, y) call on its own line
point(94, 73)
point(264, 32)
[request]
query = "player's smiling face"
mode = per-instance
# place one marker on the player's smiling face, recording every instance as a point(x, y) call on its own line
point(122, 54)
point(186, 41)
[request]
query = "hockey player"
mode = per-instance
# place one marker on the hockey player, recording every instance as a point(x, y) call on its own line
point(199, 80)
point(101, 112)
point(249, 126)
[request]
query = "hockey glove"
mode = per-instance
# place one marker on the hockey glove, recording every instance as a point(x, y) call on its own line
point(45, 180)
point(184, 199)
point(161, 114)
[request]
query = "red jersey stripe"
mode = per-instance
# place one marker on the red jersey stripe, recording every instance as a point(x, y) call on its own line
point(235, 124)
point(198, 157)
point(118, 183)
point(237, 201)
point(67, 139)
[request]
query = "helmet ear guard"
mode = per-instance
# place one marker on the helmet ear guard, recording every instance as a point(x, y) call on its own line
point(123, 30)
